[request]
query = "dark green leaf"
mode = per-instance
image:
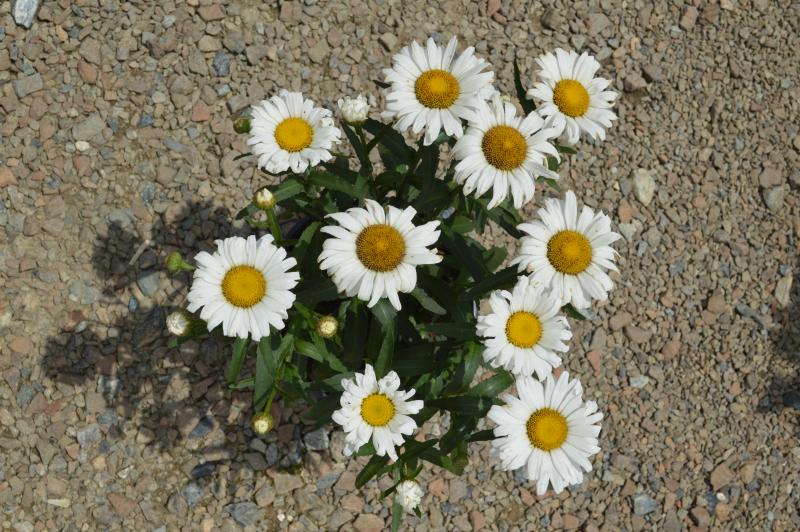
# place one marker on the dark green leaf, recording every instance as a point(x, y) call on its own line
point(566, 149)
point(503, 279)
point(522, 96)
point(469, 405)
point(572, 312)
point(320, 412)
point(381, 84)
point(384, 311)
point(494, 385)
point(397, 514)
point(337, 183)
point(427, 302)
point(247, 211)
point(415, 360)
point(465, 371)
point(244, 384)
point(462, 224)
point(482, 435)
point(466, 254)
point(552, 183)
point(383, 364)
point(365, 450)
point(266, 367)
point(414, 448)
point(289, 188)
point(312, 292)
point(373, 467)
point(240, 346)
point(457, 331)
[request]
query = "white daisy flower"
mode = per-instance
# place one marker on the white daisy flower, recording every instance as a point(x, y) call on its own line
point(524, 330)
point(431, 90)
point(288, 132)
point(573, 99)
point(504, 152)
point(245, 285)
point(377, 410)
point(549, 430)
point(568, 253)
point(374, 253)
point(409, 494)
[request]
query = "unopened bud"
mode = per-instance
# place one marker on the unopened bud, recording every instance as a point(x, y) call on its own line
point(264, 199)
point(179, 323)
point(175, 263)
point(354, 110)
point(409, 494)
point(327, 326)
point(262, 423)
point(242, 125)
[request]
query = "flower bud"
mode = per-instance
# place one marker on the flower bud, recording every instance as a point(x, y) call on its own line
point(354, 110)
point(242, 125)
point(179, 323)
point(264, 199)
point(175, 263)
point(327, 326)
point(262, 423)
point(409, 494)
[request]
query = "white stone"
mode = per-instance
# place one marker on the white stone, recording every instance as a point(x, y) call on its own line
point(82, 145)
point(644, 186)
point(783, 290)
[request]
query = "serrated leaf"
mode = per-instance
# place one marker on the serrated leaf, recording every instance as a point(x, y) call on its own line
point(289, 188)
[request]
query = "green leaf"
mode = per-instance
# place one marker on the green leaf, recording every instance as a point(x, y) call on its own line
point(522, 96)
point(240, 346)
point(465, 371)
point(494, 385)
point(466, 254)
point(566, 149)
point(482, 435)
point(384, 311)
point(368, 449)
point(358, 146)
point(266, 367)
point(572, 312)
point(457, 331)
point(462, 224)
point(503, 279)
point(415, 360)
point(552, 183)
point(397, 514)
point(319, 352)
point(381, 84)
point(354, 330)
point(312, 292)
point(383, 364)
point(552, 164)
point(247, 211)
point(469, 405)
point(373, 467)
point(244, 384)
point(414, 448)
point(289, 188)
point(395, 151)
point(321, 411)
point(427, 302)
point(337, 183)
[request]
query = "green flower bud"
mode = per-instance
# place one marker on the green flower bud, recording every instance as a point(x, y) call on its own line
point(242, 125)
point(175, 263)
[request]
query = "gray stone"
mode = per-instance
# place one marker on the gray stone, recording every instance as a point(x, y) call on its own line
point(643, 505)
point(149, 282)
point(203, 470)
point(88, 128)
point(644, 186)
point(640, 381)
point(24, 396)
point(317, 440)
point(244, 513)
point(319, 51)
point(221, 63)
point(24, 11)
point(202, 428)
point(89, 435)
point(192, 492)
point(634, 82)
point(24, 86)
point(773, 198)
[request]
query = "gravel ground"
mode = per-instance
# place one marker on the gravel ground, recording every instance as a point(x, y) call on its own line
point(117, 147)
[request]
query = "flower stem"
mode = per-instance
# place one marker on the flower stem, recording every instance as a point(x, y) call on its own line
point(275, 228)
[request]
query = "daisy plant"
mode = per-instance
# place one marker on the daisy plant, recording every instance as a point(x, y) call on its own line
point(356, 296)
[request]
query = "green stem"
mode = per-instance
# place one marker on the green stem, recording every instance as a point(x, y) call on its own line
point(275, 228)
point(279, 377)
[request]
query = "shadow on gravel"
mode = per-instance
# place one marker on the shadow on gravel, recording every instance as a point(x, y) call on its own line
point(122, 363)
point(784, 391)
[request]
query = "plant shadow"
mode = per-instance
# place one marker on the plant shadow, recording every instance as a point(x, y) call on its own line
point(784, 390)
point(136, 387)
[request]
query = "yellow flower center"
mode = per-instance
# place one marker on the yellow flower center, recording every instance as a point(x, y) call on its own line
point(377, 410)
point(294, 134)
point(380, 247)
point(244, 286)
point(571, 97)
point(569, 252)
point(504, 147)
point(523, 329)
point(547, 429)
point(437, 89)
